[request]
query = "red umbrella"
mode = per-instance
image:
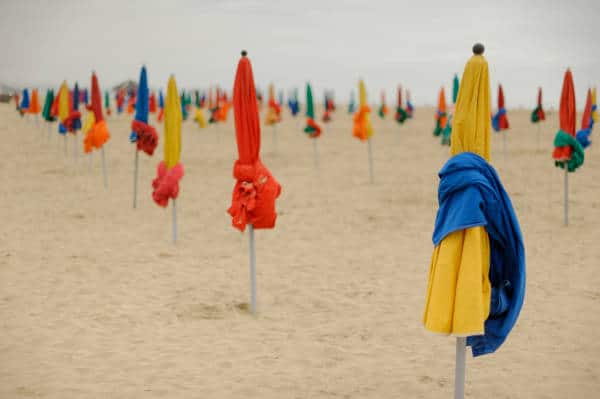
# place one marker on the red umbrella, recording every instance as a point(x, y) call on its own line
point(255, 192)
point(567, 116)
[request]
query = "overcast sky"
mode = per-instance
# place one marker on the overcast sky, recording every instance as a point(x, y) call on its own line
point(330, 43)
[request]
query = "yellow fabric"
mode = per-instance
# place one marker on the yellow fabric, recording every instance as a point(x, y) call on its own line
point(471, 123)
point(63, 102)
point(200, 118)
point(172, 129)
point(459, 290)
point(595, 112)
point(90, 120)
point(362, 99)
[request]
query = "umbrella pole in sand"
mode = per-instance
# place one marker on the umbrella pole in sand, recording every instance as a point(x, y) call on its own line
point(538, 134)
point(66, 144)
point(252, 270)
point(274, 137)
point(174, 221)
point(459, 376)
point(75, 146)
point(504, 144)
point(566, 195)
point(316, 153)
point(135, 177)
point(49, 130)
point(104, 168)
point(371, 176)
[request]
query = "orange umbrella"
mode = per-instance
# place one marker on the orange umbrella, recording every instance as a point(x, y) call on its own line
point(97, 133)
point(441, 116)
point(255, 190)
point(34, 104)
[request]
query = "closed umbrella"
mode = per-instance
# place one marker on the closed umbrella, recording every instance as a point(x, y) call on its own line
point(587, 122)
point(255, 190)
point(97, 133)
point(362, 129)
point(441, 117)
point(312, 129)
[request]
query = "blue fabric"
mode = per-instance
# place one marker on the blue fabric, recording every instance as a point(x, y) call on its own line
point(583, 137)
point(25, 99)
point(142, 103)
point(76, 97)
point(496, 119)
point(294, 106)
point(85, 97)
point(62, 129)
point(471, 194)
point(161, 99)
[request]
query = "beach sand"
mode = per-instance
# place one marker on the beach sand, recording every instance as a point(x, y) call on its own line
point(97, 302)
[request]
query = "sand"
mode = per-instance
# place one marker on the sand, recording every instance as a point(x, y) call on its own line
point(96, 302)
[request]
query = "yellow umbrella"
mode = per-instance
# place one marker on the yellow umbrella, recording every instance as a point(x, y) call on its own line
point(173, 118)
point(170, 170)
point(362, 124)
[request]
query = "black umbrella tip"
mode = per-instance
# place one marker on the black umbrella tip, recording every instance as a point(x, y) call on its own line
point(478, 49)
point(244, 53)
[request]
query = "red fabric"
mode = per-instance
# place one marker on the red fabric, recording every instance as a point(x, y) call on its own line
point(96, 99)
point(166, 184)
point(587, 111)
point(152, 103)
point(160, 115)
point(147, 137)
point(326, 116)
point(400, 96)
point(317, 132)
point(68, 123)
point(120, 98)
point(540, 114)
point(54, 108)
point(567, 116)
point(255, 192)
point(131, 105)
point(503, 119)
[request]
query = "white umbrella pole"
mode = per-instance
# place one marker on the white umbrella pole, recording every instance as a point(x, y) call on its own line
point(504, 144)
point(252, 270)
point(66, 134)
point(104, 168)
point(539, 123)
point(459, 376)
point(75, 145)
point(566, 194)
point(49, 129)
point(275, 137)
point(135, 177)
point(316, 152)
point(174, 221)
point(370, 161)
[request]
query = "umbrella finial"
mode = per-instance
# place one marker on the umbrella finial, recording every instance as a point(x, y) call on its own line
point(478, 49)
point(244, 53)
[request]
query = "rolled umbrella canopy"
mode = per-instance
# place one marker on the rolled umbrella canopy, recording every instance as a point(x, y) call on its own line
point(362, 129)
point(294, 103)
point(65, 105)
point(152, 103)
point(441, 117)
point(161, 106)
point(143, 134)
point(327, 107)
point(170, 170)
point(447, 132)
point(74, 123)
point(312, 128)
point(106, 102)
point(97, 133)
point(34, 104)
point(538, 114)
point(120, 100)
point(273, 115)
point(18, 103)
point(255, 190)
point(86, 99)
point(24, 107)
point(476, 282)
point(567, 150)
point(383, 108)
point(500, 120)
point(587, 122)
point(410, 109)
point(352, 103)
point(401, 114)
point(131, 103)
point(47, 110)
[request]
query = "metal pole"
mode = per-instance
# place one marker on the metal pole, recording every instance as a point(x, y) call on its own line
point(566, 193)
point(104, 168)
point(252, 270)
point(459, 376)
point(539, 123)
point(504, 144)
point(174, 221)
point(66, 144)
point(75, 145)
point(275, 137)
point(135, 177)
point(370, 161)
point(316, 151)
